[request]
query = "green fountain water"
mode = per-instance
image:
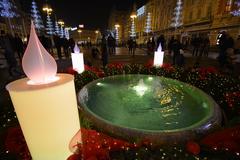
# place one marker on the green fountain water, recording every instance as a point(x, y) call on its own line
point(146, 103)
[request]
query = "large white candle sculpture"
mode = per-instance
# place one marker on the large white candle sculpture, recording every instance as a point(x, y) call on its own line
point(45, 104)
point(77, 60)
point(158, 57)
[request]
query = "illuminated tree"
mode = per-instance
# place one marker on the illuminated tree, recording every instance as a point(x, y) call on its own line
point(237, 11)
point(49, 25)
point(66, 33)
point(177, 15)
point(36, 17)
point(57, 30)
point(148, 27)
point(132, 29)
point(7, 10)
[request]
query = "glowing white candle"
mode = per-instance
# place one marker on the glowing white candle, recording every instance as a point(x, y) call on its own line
point(77, 60)
point(158, 57)
point(46, 106)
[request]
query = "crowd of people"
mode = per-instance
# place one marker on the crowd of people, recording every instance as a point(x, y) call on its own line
point(200, 46)
point(11, 45)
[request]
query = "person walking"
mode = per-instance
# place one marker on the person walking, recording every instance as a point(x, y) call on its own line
point(58, 44)
point(19, 47)
point(176, 46)
point(104, 51)
point(7, 45)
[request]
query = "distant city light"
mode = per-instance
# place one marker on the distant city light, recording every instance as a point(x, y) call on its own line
point(81, 26)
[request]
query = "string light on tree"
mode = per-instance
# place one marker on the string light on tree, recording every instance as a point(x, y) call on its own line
point(49, 26)
point(7, 10)
point(117, 31)
point(148, 27)
point(237, 11)
point(132, 30)
point(36, 17)
point(177, 15)
point(61, 23)
point(66, 32)
point(57, 30)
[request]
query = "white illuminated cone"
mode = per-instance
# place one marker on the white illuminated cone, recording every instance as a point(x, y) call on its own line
point(77, 60)
point(158, 57)
point(39, 66)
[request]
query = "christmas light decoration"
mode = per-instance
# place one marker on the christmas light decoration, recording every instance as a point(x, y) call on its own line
point(49, 25)
point(117, 31)
point(177, 15)
point(132, 30)
point(237, 11)
point(36, 17)
point(66, 32)
point(57, 30)
point(41, 105)
point(61, 23)
point(148, 27)
point(7, 9)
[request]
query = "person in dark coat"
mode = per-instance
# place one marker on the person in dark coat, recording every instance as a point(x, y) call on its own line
point(176, 46)
point(65, 45)
point(161, 40)
point(7, 45)
point(170, 45)
point(58, 44)
point(223, 46)
point(104, 51)
point(19, 47)
point(71, 44)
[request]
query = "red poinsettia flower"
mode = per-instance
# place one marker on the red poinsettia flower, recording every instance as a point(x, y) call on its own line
point(193, 147)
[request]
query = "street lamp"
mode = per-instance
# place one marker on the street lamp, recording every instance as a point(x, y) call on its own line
point(96, 35)
point(61, 23)
point(49, 26)
point(79, 32)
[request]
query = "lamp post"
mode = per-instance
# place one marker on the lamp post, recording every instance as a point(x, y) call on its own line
point(61, 23)
point(97, 32)
point(49, 25)
point(79, 32)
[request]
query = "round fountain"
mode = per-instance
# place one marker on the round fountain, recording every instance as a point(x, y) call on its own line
point(151, 108)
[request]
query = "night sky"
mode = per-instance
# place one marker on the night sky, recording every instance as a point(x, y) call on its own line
point(93, 14)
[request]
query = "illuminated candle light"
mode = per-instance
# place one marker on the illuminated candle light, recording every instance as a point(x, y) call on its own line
point(46, 106)
point(77, 60)
point(158, 57)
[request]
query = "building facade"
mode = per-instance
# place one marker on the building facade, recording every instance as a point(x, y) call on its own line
point(199, 18)
point(118, 22)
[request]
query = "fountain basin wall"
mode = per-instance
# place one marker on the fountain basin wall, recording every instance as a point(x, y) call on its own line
point(149, 108)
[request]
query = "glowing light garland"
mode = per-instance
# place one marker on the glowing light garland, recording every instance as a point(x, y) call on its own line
point(177, 15)
point(36, 17)
point(132, 31)
point(236, 12)
point(7, 9)
point(49, 27)
point(66, 33)
point(148, 23)
point(57, 30)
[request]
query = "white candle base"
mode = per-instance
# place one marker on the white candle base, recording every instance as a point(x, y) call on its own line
point(48, 116)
